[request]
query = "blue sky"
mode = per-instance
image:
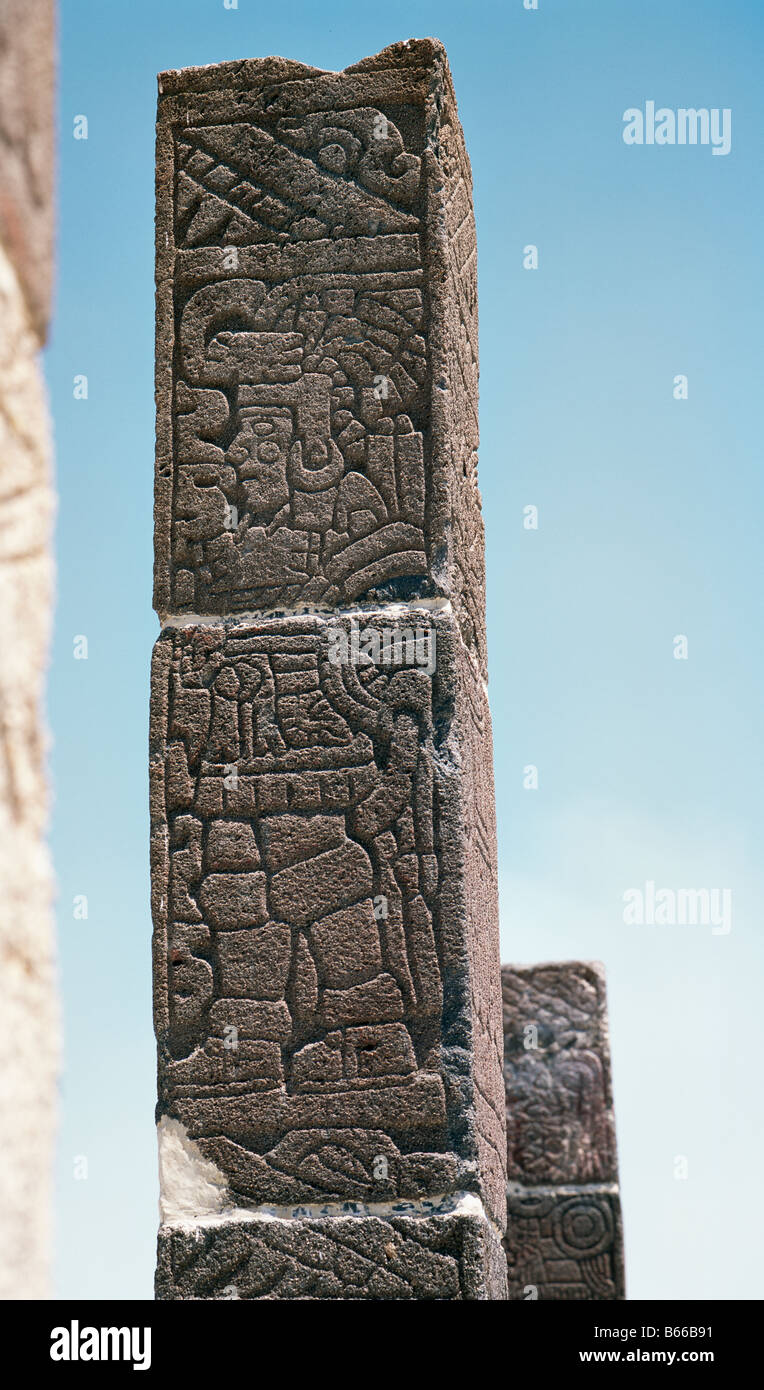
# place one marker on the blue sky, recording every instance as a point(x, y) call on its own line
point(650, 519)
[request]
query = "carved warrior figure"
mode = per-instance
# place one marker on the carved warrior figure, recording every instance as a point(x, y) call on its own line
point(301, 901)
point(323, 842)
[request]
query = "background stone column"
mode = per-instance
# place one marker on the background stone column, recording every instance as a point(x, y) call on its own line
point(29, 1014)
point(564, 1235)
point(327, 989)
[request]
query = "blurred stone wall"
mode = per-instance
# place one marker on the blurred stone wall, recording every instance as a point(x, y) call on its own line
point(29, 1039)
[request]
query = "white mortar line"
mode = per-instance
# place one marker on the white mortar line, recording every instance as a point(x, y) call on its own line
point(444, 1204)
point(403, 608)
point(567, 1189)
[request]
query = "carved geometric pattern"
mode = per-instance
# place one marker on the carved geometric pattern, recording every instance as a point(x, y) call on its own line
point(313, 903)
point(560, 1125)
point(564, 1237)
point(424, 1258)
point(564, 1245)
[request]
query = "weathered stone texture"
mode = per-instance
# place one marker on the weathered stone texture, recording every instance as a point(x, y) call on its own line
point(448, 1256)
point(564, 1245)
point(28, 1017)
point(27, 109)
point(323, 887)
point(564, 1235)
point(323, 832)
point(316, 339)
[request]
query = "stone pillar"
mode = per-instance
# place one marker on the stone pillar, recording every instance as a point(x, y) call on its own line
point(327, 1002)
point(564, 1235)
point(29, 1014)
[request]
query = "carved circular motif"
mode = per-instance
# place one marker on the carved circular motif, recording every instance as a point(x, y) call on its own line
point(583, 1227)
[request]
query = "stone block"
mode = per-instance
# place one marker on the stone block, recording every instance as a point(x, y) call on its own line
point(316, 340)
point(564, 1236)
point(448, 1256)
point(362, 954)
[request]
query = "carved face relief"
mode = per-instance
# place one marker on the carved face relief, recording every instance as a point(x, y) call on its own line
point(299, 411)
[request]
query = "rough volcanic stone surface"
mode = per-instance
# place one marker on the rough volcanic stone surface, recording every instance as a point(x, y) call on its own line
point(564, 1234)
point(316, 339)
point(324, 898)
point(560, 1124)
point(428, 1258)
point(564, 1245)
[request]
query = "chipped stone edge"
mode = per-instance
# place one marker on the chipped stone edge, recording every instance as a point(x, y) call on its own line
point(189, 1183)
point(291, 69)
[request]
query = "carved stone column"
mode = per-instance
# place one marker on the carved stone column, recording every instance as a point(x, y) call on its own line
point(328, 1009)
point(564, 1235)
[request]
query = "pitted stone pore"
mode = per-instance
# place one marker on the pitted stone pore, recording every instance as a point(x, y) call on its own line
point(316, 339)
point(324, 890)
